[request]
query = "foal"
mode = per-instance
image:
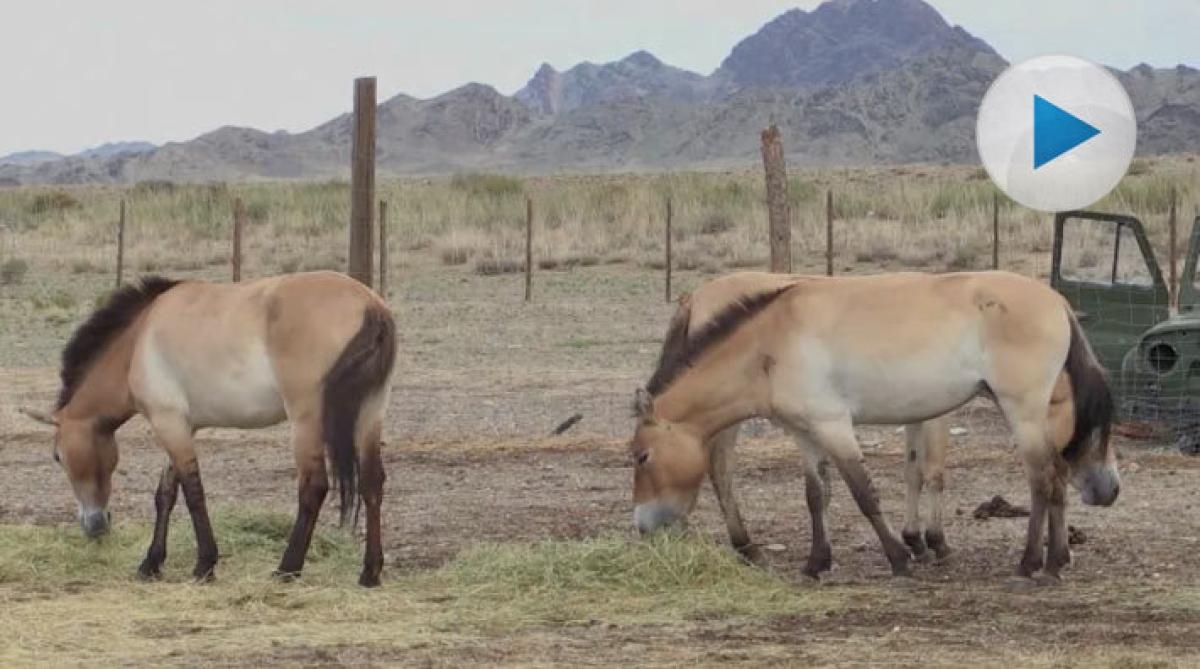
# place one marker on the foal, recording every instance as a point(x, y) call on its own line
point(823, 354)
point(315, 348)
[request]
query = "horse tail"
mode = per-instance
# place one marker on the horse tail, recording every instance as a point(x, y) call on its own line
point(1093, 400)
point(675, 343)
point(360, 372)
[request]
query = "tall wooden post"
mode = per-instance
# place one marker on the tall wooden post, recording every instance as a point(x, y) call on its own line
point(528, 248)
point(777, 202)
point(121, 245)
point(995, 231)
point(239, 221)
point(1173, 250)
point(668, 258)
point(829, 232)
point(383, 248)
point(362, 182)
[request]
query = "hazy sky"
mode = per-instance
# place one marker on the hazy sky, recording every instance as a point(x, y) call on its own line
point(77, 74)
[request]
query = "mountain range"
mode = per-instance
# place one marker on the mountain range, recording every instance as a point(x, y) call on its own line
point(850, 82)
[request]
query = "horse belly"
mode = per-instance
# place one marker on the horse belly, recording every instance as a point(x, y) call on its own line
point(909, 390)
point(240, 394)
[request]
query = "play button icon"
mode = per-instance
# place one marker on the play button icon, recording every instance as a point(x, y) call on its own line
point(1056, 133)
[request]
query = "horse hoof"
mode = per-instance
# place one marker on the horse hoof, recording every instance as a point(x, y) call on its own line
point(149, 574)
point(1020, 584)
point(286, 576)
point(752, 555)
point(204, 575)
point(368, 580)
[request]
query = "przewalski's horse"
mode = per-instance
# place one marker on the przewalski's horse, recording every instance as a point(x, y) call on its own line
point(822, 354)
point(924, 464)
point(317, 349)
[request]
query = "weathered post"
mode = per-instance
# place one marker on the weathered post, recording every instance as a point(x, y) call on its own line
point(383, 248)
point(121, 245)
point(668, 258)
point(239, 221)
point(995, 231)
point(528, 248)
point(777, 202)
point(362, 182)
point(1173, 250)
point(829, 232)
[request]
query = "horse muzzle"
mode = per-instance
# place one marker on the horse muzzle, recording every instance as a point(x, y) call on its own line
point(653, 516)
point(1100, 487)
point(95, 523)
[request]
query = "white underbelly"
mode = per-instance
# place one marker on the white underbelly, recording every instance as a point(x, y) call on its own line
point(241, 401)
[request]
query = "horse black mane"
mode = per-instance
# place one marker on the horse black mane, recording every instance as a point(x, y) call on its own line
point(725, 323)
point(117, 313)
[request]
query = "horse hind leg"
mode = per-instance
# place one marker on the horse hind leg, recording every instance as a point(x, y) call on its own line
point(914, 481)
point(935, 441)
point(313, 485)
point(368, 444)
point(719, 465)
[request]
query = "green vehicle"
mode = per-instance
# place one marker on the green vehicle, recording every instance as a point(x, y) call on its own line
point(1105, 267)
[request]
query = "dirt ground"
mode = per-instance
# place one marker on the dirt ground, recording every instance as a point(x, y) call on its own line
point(485, 378)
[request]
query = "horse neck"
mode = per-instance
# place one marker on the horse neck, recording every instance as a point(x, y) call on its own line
point(724, 387)
point(104, 393)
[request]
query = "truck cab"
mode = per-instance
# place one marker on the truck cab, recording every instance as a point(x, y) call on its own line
point(1105, 267)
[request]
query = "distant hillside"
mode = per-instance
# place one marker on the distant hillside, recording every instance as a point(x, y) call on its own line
point(851, 82)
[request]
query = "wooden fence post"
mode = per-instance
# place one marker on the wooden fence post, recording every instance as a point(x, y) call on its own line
point(528, 248)
point(829, 232)
point(995, 231)
point(362, 182)
point(121, 245)
point(239, 222)
point(383, 248)
point(670, 214)
point(1173, 251)
point(777, 202)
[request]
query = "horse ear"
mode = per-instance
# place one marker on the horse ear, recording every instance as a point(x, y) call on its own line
point(643, 406)
point(43, 418)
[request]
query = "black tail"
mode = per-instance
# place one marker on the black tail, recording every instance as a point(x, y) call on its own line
point(1093, 399)
point(362, 369)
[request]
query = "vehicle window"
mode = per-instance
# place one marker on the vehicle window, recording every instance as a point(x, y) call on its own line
point(1102, 252)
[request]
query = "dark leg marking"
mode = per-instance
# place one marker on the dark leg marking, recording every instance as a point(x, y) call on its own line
point(371, 479)
point(164, 503)
point(313, 487)
point(863, 490)
point(914, 541)
point(816, 495)
point(206, 544)
point(1059, 551)
point(1033, 558)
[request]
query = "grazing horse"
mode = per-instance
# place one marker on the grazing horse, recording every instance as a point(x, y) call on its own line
point(821, 354)
point(315, 348)
point(926, 442)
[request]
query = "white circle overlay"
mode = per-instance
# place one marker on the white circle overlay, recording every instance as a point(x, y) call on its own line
point(1078, 177)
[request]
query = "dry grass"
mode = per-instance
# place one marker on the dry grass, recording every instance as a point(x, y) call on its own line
point(67, 600)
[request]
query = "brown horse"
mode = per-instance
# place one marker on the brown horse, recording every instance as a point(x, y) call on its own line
point(317, 349)
point(819, 355)
point(924, 465)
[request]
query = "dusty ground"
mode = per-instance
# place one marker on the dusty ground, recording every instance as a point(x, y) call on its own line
point(485, 378)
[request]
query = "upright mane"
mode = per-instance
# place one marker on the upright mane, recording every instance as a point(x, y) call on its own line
point(111, 319)
point(724, 324)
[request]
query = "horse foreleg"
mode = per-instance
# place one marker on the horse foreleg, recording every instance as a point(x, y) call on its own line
point(816, 497)
point(838, 440)
point(1058, 554)
point(370, 489)
point(164, 503)
point(313, 485)
point(719, 465)
point(174, 434)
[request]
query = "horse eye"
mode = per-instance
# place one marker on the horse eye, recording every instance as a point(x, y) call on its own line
point(642, 458)
point(56, 458)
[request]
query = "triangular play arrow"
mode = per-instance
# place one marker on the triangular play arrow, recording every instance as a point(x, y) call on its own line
point(1056, 131)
